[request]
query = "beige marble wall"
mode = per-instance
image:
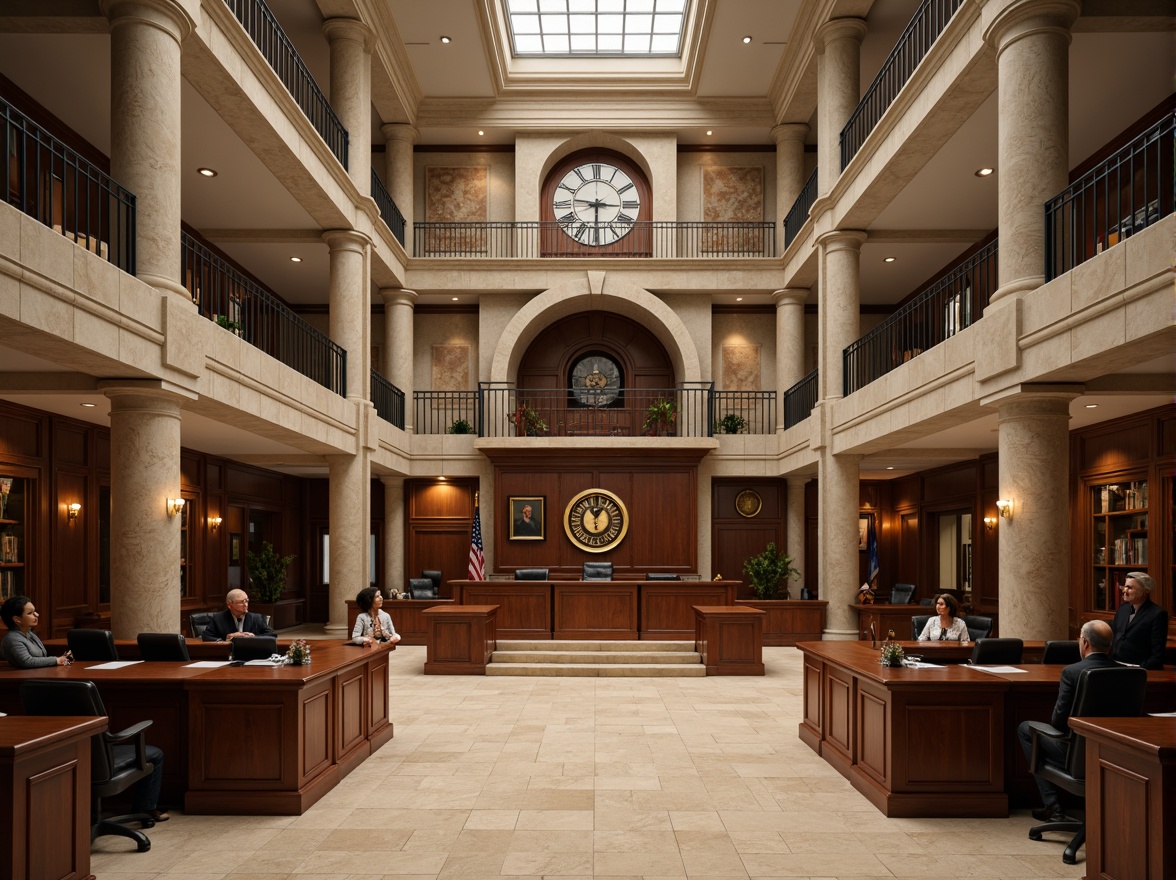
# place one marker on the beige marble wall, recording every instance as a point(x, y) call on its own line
point(496, 169)
point(712, 178)
point(446, 334)
point(743, 351)
point(450, 368)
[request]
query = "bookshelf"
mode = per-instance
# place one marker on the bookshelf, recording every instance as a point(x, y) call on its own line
point(13, 492)
point(1119, 523)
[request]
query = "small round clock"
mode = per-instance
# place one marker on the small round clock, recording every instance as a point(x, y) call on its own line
point(596, 520)
point(596, 380)
point(596, 204)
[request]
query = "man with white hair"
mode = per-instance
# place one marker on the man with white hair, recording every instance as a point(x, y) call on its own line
point(236, 621)
point(1140, 625)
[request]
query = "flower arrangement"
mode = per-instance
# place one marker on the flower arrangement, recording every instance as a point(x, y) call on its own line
point(528, 422)
point(299, 653)
point(892, 654)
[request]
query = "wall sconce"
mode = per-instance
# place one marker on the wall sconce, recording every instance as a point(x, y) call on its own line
point(990, 522)
point(72, 511)
point(174, 506)
point(214, 522)
point(1005, 507)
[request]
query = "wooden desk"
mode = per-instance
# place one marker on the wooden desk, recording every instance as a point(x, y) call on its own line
point(461, 639)
point(128, 649)
point(887, 617)
point(1130, 797)
point(730, 640)
point(45, 786)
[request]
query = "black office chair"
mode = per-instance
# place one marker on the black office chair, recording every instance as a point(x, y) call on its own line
point(927, 602)
point(421, 588)
point(662, 576)
point(597, 571)
point(168, 647)
point(256, 648)
point(902, 594)
point(918, 621)
point(1101, 693)
point(997, 652)
point(198, 622)
point(91, 644)
point(435, 577)
point(117, 760)
point(1064, 651)
point(979, 626)
point(531, 574)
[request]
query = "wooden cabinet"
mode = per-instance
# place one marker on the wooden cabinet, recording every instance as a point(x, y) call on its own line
point(13, 535)
point(1119, 537)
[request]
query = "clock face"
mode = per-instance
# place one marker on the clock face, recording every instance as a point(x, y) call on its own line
point(596, 520)
point(596, 204)
point(596, 380)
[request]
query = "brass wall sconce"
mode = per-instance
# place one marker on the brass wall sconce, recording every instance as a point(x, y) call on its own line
point(990, 522)
point(1005, 507)
point(174, 506)
point(214, 522)
point(72, 511)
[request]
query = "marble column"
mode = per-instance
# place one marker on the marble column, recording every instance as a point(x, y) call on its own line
point(795, 525)
point(1032, 43)
point(351, 44)
point(349, 513)
point(350, 306)
point(790, 174)
point(398, 346)
point(837, 536)
point(144, 537)
point(395, 577)
point(838, 43)
point(789, 343)
point(1033, 444)
point(145, 127)
point(840, 305)
point(399, 169)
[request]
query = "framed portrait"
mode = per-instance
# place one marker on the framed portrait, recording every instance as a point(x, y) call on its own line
point(863, 530)
point(527, 515)
point(235, 548)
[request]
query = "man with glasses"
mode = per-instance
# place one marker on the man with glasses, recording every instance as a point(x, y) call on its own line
point(236, 621)
point(1140, 625)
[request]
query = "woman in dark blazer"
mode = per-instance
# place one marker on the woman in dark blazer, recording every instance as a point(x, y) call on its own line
point(21, 648)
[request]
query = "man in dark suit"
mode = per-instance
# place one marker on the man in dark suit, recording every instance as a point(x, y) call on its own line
point(524, 526)
point(1094, 644)
point(1140, 625)
point(236, 621)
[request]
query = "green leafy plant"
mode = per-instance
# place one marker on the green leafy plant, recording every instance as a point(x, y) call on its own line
point(769, 572)
point(268, 571)
point(461, 426)
point(528, 422)
point(228, 324)
point(731, 423)
point(660, 416)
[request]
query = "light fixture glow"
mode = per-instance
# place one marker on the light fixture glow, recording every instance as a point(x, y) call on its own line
point(89, 405)
point(1005, 507)
point(296, 259)
point(738, 299)
point(890, 467)
point(453, 299)
point(709, 132)
point(174, 506)
point(72, 511)
point(206, 172)
point(214, 522)
point(888, 260)
point(984, 172)
point(446, 40)
point(481, 133)
point(1092, 406)
point(746, 40)
point(990, 522)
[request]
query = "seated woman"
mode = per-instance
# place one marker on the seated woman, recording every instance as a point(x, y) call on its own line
point(21, 648)
point(948, 626)
point(372, 624)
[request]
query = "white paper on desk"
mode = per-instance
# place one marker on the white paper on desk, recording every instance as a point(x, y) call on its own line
point(920, 664)
point(1161, 714)
point(269, 663)
point(114, 664)
point(207, 664)
point(997, 669)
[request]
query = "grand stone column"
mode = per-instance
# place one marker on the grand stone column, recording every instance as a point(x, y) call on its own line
point(395, 577)
point(144, 538)
point(350, 309)
point(789, 343)
point(1032, 43)
point(840, 305)
point(838, 43)
point(1033, 444)
point(399, 172)
point(349, 512)
point(351, 92)
point(145, 38)
point(790, 176)
point(795, 523)
point(398, 346)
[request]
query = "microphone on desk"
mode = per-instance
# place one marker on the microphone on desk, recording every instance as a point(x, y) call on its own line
point(873, 636)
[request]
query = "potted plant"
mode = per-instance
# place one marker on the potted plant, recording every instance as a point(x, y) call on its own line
point(528, 422)
point(229, 324)
point(267, 570)
point(660, 417)
point(731, 423)
point(769, 572)
point(461, 426)
point(786, 622)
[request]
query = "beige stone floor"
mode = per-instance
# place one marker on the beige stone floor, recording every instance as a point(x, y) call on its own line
point(589, 777)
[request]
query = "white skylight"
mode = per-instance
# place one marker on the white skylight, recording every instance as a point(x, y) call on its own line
point(596, 27)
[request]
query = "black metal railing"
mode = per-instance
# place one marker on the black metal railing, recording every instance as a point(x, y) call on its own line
point(798, 213)
point(240, 305)
point(954, 301)
point(388, 400)
point(1128, 192)
point(393, 219)
point(920, 34)
point(800, 399)
point(277, 49)
point(551, 238)
point(446, 412)
point(744, 412)
point(53, 184)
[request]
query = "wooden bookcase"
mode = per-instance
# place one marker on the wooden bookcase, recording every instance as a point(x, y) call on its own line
point(14, 492)
point(1119, 537)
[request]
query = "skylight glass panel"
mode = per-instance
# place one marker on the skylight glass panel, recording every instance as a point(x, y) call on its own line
point(596, 27)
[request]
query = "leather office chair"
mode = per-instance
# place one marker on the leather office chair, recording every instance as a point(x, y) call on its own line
point(1101, 693)
point(256, 648)
point(531, 574)
point(435, 577)
point(997, 652)
point(597, 571)
point(163, 646)
point(117, 760)
point(662, 576)
point(902, 594)
point(1064, 651)
point(92, 644)
point(979, 626)
point(918, 621)
point(928, 602)
point(421, 588)
point(198, 622)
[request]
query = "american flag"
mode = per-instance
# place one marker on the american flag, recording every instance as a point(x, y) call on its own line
point(477, 557)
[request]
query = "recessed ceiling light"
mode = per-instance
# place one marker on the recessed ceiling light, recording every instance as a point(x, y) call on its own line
point(890, 468)
point(89, 404)
point(709, 132)
point(480, 132)
point(888, 260)
point(984, 172)
point(455, 299)
point(738, 299)
point(296, 259)
point(1092, 406)
point(446, 40)
point(206, 172)
point(746, 40)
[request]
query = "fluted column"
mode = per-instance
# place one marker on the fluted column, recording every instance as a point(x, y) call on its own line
point(840, 305)
point(350, 308)
point(145, 127)
point(399, 139)
point(144, 538)
point(394, 573)
point(790, 174)
point(838, 44)
point(795, 523)
point(789, 343)
point(398, 346)
point(1032, 43)
point(1033, 444)
point(351, 44)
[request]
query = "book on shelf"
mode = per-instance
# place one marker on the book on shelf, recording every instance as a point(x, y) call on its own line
point(9, 548)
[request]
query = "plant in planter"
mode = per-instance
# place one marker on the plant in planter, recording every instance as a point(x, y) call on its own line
point(267, 570)
point(731, 423)
point(660, 417)
point(229, 324)
point(461, 426)
point(528, 422)
point(769, 572)
point(891, 654)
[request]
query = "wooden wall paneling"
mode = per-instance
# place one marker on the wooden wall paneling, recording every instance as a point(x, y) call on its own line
point(254, 484)
point(22, 434)
point(510, 555)
point(69, 584)
point(664, 514)
point(734, 538)
point(733, 544)
point(437, 529)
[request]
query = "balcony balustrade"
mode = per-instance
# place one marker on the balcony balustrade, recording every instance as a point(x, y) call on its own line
point(436, 412)
point(798, 213)
point(800, 399)
point(393, 219)
point(54, 185)
point(744, 412)
point(224, 295)
point(388, 401)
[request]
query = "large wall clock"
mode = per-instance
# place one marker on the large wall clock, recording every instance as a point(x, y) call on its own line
point(596, 380)
point(596, 520)
point(596, 203)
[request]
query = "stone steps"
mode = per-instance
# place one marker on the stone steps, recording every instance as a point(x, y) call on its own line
point(596, 659)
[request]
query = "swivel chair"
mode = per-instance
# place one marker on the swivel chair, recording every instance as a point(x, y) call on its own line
point(256, 648)
point(198, 621)
point(1064, 651)
point(902, 594)
point(531, 574)
point(1101, 693)
point(996, 652)
point(597, 571)
point(918, 622)
point(979, 626)
point(435, 577)
point(117, 760)
point(662, 576)
point(421, 588)
point(91, 644)
point(169, 647)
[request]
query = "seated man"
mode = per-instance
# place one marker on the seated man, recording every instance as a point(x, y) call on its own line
point(1140, 625)
point(1094, 644)
point(236, 621)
